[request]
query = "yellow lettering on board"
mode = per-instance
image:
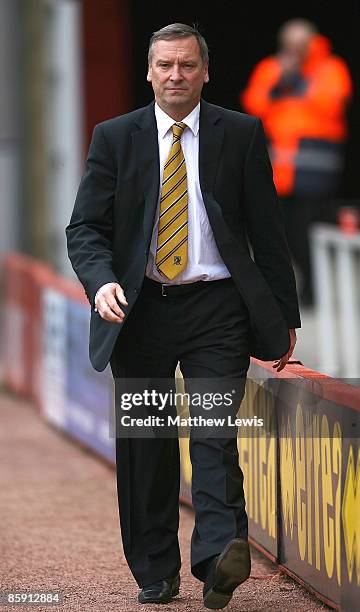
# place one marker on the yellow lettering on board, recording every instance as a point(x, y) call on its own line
point(243, 447)
point(316, 455)
point(327, 497)
point(351, 514)
point(263, 405)
point(287, 476)
point(183, 411)
point(186, 468)
point(264, 408)
point(263, 480)
point(309, 467)
point(300, 481)
point(337, 465)
point(272, 488)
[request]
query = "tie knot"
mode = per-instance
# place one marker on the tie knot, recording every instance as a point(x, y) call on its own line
point(177, 130)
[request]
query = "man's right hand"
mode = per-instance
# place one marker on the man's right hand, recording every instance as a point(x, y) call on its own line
point(290, 64)
point(106, 302)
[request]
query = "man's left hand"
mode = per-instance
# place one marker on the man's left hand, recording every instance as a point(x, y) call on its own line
point(281, 363)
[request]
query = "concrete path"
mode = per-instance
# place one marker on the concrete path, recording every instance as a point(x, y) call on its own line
point(60, 531)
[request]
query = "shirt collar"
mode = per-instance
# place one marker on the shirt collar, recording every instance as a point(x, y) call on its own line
point(164, 122)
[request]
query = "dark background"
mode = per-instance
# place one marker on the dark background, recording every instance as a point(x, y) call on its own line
point(238, 36)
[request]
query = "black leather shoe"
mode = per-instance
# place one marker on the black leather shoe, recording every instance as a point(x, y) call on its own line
point(225, 573)
point(160, 592)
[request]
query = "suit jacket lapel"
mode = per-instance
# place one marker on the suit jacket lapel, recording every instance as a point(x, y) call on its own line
point(146, 146)
point(211, 135)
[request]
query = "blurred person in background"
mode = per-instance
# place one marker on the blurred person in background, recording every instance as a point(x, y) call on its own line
point(302, 94)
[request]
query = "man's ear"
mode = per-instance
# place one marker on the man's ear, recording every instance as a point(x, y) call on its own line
point(206, 76)
point(148, 77)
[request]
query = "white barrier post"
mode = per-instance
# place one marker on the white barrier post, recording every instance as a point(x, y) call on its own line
point(348, 284)
point(324, 302)
point(337, 286)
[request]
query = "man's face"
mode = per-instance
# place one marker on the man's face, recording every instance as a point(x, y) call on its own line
point(295, 41)
point(177, 73)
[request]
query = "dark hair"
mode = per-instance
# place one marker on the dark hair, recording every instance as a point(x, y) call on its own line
point(179, 30)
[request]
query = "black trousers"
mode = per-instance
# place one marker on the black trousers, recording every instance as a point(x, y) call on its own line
point(300, 212)
point(207, 332)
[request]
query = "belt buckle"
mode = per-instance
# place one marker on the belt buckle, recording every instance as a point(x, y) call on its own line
point(163, 290)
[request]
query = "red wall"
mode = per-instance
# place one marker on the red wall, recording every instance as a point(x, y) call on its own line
point(107, 61)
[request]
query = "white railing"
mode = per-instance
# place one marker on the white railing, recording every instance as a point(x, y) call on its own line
point(336, 265)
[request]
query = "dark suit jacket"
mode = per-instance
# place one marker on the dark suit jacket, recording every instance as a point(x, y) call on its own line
point(110, 229)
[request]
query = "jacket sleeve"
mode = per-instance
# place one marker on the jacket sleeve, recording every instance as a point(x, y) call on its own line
point(89, 233)
point(265, 227)
point(256, 97)
point(330, 92)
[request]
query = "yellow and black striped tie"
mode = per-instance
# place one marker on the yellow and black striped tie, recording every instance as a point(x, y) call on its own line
point(172, 244)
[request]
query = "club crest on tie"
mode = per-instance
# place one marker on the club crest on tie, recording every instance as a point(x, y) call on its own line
point(177, 260)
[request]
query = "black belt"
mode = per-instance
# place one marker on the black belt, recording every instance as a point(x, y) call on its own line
point(165, 290)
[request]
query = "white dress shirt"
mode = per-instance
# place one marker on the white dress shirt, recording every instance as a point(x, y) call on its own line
point(204, 260)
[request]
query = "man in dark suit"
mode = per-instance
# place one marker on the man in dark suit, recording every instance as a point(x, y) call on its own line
point(172, 195)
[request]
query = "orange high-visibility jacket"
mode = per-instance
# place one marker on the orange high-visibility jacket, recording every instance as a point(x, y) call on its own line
point(305, 124)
